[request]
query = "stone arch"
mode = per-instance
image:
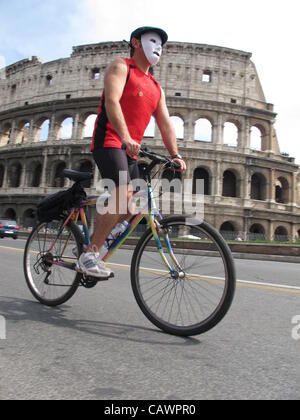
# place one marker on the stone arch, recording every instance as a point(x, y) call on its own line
point(202, 173)
point(35, 174)
point(29, 218)
point(203, 130)
point(89, 125)
point(10, 214)
point(178, 124)
point(259, 136)
point(258, 187)
point(15, 175)
point(228, 230)
point(65, 125)
point(231, 184)
point(23, 129)
point(42, 129)
point(282, 191)
point(231, 134)
point(238, 122)
point(257, 232)
point(255, 138)
point(5, 134)
point(58, 179)
point(281, 234)
point(170, 176)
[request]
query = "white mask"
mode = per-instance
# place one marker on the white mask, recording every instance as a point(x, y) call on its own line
point(152, 46)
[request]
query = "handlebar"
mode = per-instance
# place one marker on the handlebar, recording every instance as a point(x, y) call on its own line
point(156, 157)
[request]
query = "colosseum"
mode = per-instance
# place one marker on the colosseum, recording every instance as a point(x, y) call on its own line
point(225, 130)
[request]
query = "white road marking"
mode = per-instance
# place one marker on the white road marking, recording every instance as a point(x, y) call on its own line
point(254, 284)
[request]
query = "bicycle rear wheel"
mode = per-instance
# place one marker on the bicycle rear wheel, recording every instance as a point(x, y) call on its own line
point(198, 293)
point(51, 284)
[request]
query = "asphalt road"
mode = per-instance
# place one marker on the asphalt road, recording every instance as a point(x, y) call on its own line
point(100, 346)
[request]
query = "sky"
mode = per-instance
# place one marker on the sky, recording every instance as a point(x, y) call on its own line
point(268, 29)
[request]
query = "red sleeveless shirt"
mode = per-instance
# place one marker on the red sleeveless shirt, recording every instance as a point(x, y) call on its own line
point(139, 101)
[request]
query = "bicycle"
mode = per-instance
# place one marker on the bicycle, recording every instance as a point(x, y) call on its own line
point(182, 273)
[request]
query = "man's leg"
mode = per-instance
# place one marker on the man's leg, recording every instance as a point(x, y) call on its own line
point(110, 163)
point(105, 223)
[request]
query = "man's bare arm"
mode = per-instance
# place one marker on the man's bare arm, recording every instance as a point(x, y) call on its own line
point(114, 84)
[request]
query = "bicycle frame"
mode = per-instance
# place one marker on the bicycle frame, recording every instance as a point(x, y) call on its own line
point(153, 216)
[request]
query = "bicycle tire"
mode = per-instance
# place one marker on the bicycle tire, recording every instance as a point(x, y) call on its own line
point(230, 282)
point(74, 284)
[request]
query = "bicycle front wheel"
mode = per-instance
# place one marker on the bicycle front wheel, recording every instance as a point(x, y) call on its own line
point(197, 293)
point(50, 283)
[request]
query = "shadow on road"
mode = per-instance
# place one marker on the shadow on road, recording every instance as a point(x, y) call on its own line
point(16, 310)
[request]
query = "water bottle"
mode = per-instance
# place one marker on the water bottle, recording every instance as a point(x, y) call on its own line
point(115, 233)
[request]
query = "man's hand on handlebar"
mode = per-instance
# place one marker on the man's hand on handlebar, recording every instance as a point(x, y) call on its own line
point(177, 163)
point(132, 147)
point(181, 163)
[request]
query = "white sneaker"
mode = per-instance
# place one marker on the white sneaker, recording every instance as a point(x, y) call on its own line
point(91, 265)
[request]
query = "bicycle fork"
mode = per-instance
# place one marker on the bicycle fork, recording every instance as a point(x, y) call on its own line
point(157, 228)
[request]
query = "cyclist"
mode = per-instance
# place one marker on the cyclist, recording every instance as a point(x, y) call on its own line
point(131, 96)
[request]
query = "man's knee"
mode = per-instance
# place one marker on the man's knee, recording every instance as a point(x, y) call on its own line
point(123, 197)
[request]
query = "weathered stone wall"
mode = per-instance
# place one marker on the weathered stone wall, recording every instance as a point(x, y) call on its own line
point(217, 84)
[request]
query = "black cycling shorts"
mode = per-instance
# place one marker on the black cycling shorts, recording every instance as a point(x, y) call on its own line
point(111, 162)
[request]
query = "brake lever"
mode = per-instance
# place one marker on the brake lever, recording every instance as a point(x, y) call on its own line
point(175, 165)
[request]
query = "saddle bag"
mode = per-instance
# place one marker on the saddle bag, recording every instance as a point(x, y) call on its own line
point(57, 206)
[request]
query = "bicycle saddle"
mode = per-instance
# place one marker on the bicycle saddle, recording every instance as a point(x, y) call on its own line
point(77, 176)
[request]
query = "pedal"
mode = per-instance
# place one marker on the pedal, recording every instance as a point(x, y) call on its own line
point(90, 282)
point(98, 279)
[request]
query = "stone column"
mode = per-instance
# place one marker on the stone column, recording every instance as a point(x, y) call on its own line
point(240, 138)
point(52, 129)
point(218, 184)
point(293, 194)
point(78, 128)
point(14, 133)
point(247, 185)
point(23, 176)
point(217, 131)
point(68, 166)
point(44, 172)
point(294, 233)
point(189, 129)
point(31, 132)
point(272, 187)
point(270, 232)
point(4, 185)
point(245, 134)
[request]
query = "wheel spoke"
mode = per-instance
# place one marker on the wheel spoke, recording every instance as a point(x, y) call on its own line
point(51, 284)
point(188, 301)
